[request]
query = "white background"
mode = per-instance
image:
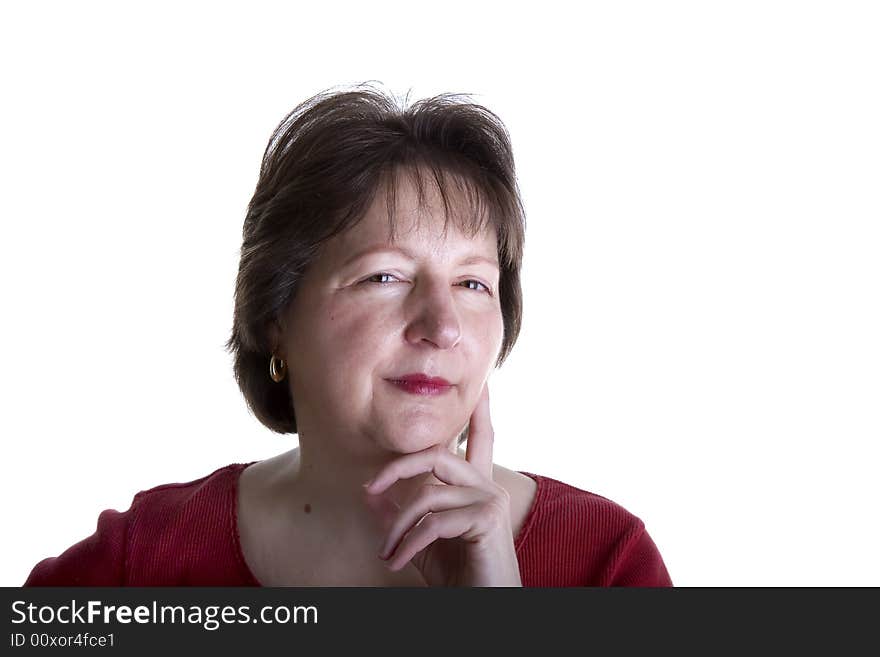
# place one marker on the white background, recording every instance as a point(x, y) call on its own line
point(702, 182)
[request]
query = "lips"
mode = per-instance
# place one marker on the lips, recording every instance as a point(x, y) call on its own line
point(421, 384)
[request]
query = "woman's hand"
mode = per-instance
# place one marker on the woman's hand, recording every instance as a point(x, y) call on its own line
point(457, 533)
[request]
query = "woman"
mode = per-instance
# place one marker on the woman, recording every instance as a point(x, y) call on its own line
point(378, 287)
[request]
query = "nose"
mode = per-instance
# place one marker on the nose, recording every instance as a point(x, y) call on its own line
point(433, 316)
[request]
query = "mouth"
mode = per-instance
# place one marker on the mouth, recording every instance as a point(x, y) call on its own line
point(421, 384)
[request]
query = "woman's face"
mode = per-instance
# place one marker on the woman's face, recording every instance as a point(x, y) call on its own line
point(370, 311)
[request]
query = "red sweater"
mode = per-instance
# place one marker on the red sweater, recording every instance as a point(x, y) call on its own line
point(187, 535)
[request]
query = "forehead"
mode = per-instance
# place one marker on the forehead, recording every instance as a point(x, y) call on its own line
point(412, 212)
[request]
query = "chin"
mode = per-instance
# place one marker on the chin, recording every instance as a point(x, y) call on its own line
point(418, 436)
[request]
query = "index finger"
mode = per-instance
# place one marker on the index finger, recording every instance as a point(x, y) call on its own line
point(481, 436)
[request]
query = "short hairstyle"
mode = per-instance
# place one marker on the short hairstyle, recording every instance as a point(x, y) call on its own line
point(321, 170)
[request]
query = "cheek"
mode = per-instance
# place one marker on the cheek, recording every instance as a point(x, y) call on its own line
point(498, 334)
point(350, 336)
point(334, 353)
point(488, 334)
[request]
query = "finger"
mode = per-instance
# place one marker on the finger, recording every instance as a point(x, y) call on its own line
point(444, 465)
point(481, 436)
point(430, 499)
point(446, 524)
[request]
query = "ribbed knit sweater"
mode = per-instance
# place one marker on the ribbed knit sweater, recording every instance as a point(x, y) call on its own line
point(187, 535)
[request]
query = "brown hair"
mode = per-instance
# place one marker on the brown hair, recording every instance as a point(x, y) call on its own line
point(323, 166)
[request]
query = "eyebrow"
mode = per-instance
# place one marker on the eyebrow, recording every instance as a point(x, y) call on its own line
point(384, 248)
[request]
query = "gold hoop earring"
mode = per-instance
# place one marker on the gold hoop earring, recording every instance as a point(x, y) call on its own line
point(277, 369)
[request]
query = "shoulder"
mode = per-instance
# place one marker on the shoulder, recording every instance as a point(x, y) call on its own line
point(165, 502)
point(581, 538)
point(150, 542)
point(184, 534)
point(578, 513)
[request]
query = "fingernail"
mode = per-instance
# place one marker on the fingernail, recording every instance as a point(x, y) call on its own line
point(367, 484)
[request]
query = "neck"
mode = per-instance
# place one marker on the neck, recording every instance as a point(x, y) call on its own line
point(325, 481)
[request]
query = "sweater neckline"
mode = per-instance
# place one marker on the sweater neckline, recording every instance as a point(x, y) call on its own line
point(236, 469)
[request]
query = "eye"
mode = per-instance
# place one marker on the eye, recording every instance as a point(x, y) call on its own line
point(383, 278)
point(480, 286)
